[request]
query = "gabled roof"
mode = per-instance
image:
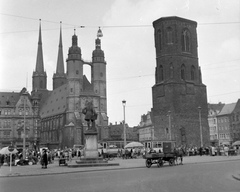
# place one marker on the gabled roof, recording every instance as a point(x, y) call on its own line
point(56, 103)
point(227, 109)
point(9, 99)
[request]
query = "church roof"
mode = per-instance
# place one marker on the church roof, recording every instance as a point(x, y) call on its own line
point(56, 103)
point(227, 109)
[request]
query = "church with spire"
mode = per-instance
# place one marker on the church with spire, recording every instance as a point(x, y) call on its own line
point(54, 118)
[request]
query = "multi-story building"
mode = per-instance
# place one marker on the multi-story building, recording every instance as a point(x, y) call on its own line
point(146, 130)
point(179, 97)
point(16, 111)
point(224, 120)
point(235, 126)
point(213, 111)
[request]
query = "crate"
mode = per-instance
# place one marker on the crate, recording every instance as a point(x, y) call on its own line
point(167, 147)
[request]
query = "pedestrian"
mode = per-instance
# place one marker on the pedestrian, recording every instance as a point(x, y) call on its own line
point(1, 160)
point(44, 160)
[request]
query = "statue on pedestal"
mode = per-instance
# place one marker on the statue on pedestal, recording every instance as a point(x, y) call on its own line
point(90, 116)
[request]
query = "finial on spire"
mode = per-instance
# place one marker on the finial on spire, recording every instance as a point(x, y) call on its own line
point(74, 31)
point(99, 33)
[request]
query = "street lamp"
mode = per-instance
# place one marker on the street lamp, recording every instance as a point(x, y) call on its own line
point(24, 125)
point(124, 127)
point(200, 124)
point(170, 130)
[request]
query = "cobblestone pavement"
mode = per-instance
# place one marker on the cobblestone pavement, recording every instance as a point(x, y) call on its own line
point(54, 168)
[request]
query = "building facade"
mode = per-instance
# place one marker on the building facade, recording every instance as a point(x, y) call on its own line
point(235, 126)
point(224, 119)
point(213, 111)
point(179, 97)
point(16, 111)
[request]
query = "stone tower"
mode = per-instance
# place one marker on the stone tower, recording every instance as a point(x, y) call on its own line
point(74, 79)
point(59, 78)
point(39, 77)
point(179, 97)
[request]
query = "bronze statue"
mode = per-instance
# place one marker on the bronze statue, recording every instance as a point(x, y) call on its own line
point(90, 115)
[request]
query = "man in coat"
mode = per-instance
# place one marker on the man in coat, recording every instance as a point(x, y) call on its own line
point(44, 160)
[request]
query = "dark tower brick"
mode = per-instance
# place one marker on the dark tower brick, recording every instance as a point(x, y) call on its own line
point(178, 85)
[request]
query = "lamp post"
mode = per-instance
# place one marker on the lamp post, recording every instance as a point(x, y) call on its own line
point(200, 124)
point(24, 125)
point(124, 127)
point(170, 126)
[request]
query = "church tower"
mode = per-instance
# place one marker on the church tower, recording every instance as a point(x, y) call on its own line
point(179, 96)
point(39, 77)
point(74, 78)
point(59, 78)
point(99, 75)
point(99, 84)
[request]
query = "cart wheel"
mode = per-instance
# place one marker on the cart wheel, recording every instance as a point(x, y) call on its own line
point(171, 162)
point(148, 163)
point(160, 163)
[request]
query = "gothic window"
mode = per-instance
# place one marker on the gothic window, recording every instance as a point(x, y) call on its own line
point(77, 72)
point(169, 35)
point(185, 41)
point(161, 73)
point(41, 84)
point(183, 72)
point(159, 39)
point(171, 70)
point(192, 73)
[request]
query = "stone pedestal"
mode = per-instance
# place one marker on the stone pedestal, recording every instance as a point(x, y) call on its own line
point(91, 146)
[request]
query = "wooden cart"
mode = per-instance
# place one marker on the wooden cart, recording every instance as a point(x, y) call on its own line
point(159, 159)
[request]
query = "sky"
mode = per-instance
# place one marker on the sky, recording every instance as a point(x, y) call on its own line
point(128, 44)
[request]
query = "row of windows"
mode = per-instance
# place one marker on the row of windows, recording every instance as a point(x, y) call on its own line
point(52, 124)
point(185, 39)
point(235, 118)
point(183, 72)
point(224, 136)
point(222, 128)
point(8, 112)
point(222, 120)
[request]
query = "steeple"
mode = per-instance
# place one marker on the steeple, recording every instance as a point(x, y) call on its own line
point(60, 63)
point(39, 78)
point(59, 78)
point(39, 63)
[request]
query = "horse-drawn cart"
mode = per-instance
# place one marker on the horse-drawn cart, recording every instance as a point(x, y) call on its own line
point(159, 159)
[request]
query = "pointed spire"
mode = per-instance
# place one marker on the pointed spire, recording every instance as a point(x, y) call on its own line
point(39, 63)
point(60, 61)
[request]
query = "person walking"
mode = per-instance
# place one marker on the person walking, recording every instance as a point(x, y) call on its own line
point(44, 160)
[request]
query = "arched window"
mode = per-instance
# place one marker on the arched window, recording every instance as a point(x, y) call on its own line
point(192, 73)
point(169, 35)
point(159, 39)
point(41, 84)
point(171, 70)
point(183, 72)
point(185, 41)
point(161, 73)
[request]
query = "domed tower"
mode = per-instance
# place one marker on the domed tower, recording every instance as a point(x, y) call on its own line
point(179, 96)
point(74, 78)
point(99, 80)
